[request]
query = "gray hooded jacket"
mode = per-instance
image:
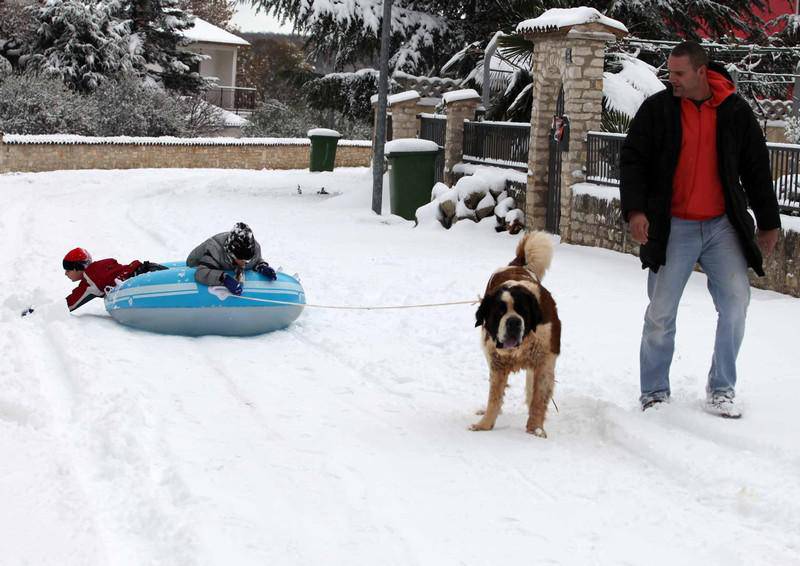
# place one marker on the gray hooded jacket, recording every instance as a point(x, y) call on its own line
point(211, 260)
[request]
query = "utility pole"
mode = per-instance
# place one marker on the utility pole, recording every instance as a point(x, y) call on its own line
point(383, 94)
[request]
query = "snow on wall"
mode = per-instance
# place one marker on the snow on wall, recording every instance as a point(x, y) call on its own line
point(69, 139)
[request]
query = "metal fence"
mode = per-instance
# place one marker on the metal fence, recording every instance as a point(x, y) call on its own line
point(602, 167)
point(433, 127)
point(502, 144)
point(233, 98)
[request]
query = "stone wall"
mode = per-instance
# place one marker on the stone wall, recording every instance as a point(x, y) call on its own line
point(31, 155)
point(597, 221)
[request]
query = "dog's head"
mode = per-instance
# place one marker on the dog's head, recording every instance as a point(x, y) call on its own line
point(509, 314)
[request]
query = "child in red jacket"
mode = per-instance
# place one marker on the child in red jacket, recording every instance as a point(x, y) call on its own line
point(94, 277)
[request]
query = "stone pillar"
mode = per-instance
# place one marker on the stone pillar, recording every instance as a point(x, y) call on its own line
point(459, 106)
point(546, 74)
point(405, 123)
point(583, 104)
point(571, 56)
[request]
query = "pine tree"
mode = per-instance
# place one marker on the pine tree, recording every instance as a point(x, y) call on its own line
point(85, 43)
point(217, 12)
point(159, 24)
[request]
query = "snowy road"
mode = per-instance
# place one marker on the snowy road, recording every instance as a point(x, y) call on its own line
point(343, 440)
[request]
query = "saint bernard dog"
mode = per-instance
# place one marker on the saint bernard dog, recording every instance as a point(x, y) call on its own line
point(520, 329)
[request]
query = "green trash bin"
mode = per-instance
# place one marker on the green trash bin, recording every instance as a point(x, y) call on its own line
point(323, 148)
point(412, 174)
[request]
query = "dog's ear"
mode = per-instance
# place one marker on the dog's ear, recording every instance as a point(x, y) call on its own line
point(483, 310)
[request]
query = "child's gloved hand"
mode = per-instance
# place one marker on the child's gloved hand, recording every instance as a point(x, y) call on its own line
point(232, 284)
point(264, 269)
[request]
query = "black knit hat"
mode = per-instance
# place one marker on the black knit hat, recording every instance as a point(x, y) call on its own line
point(240, 243)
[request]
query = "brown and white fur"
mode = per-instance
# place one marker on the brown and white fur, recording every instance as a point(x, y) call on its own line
point(520, 329)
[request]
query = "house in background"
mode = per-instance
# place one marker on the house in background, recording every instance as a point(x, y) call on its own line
point(221, 48)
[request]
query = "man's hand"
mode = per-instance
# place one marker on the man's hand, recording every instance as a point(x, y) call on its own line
point(767, 240)
point(264, 269)
point(639, 226)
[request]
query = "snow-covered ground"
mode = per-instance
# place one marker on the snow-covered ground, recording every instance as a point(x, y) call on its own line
point(343, 440)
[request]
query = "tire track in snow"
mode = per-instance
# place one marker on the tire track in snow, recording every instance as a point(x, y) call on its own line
point(108, 431)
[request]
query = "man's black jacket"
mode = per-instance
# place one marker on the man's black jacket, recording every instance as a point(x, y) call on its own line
point(650, 156)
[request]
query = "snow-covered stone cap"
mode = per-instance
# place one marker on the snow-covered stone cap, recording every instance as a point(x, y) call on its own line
point(410, 145)
point(463, 94)
point(323, 133)
point(555, 19)
point(395, 98)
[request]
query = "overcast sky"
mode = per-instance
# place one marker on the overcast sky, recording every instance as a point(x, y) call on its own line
point(246, 19)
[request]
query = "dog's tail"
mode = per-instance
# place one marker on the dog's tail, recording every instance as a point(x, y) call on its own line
point(535, 252)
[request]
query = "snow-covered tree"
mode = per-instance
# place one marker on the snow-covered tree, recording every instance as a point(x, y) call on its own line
point(84, 42)
point(217, 12)
point(159, 24)
point(347, 93)
point(348, 31)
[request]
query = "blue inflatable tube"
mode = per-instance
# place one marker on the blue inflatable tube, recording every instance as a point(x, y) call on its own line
point(172, 302)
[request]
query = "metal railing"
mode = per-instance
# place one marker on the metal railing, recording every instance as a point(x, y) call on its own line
point(233, 98)
point(603, 153)
point(602, 165)
point(433, 127)
point(502, 144)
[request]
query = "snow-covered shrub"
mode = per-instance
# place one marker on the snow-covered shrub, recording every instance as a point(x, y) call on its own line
point(201, 118)
point(132, 108)
point(792, 129)
point(33, 104)
point(274, 118)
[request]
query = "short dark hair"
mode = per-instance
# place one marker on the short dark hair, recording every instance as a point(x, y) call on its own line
point(697, 55)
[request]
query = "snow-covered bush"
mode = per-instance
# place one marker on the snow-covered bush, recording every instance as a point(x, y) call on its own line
point(33, 104)
point(274, 118)
point(792, 129)
point(132, 108)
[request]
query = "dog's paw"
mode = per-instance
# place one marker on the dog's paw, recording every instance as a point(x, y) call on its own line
point(538, 431)
point(480, 425)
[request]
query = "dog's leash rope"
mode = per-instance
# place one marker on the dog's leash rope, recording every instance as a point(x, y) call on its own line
point(373, 308)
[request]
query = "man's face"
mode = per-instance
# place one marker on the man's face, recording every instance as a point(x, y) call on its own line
point(74, 275)
point(240, 262)
point(686, 81)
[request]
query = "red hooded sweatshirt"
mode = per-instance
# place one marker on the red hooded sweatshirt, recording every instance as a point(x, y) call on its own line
point(696, 186)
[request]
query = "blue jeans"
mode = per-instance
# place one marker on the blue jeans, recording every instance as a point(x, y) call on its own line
point(713, 244)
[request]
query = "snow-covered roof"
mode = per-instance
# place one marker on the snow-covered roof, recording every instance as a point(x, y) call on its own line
point(204, 32)
point(463, 94)
point(558, 18)
point(70, 139)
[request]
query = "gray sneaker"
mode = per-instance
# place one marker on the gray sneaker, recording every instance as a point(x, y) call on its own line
point(722, 406)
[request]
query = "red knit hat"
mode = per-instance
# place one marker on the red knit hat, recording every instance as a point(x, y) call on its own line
point(76, 259)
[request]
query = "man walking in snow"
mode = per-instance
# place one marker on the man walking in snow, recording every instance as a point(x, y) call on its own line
point(693, 160)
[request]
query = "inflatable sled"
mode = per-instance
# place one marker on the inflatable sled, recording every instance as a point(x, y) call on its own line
point(172, 302)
